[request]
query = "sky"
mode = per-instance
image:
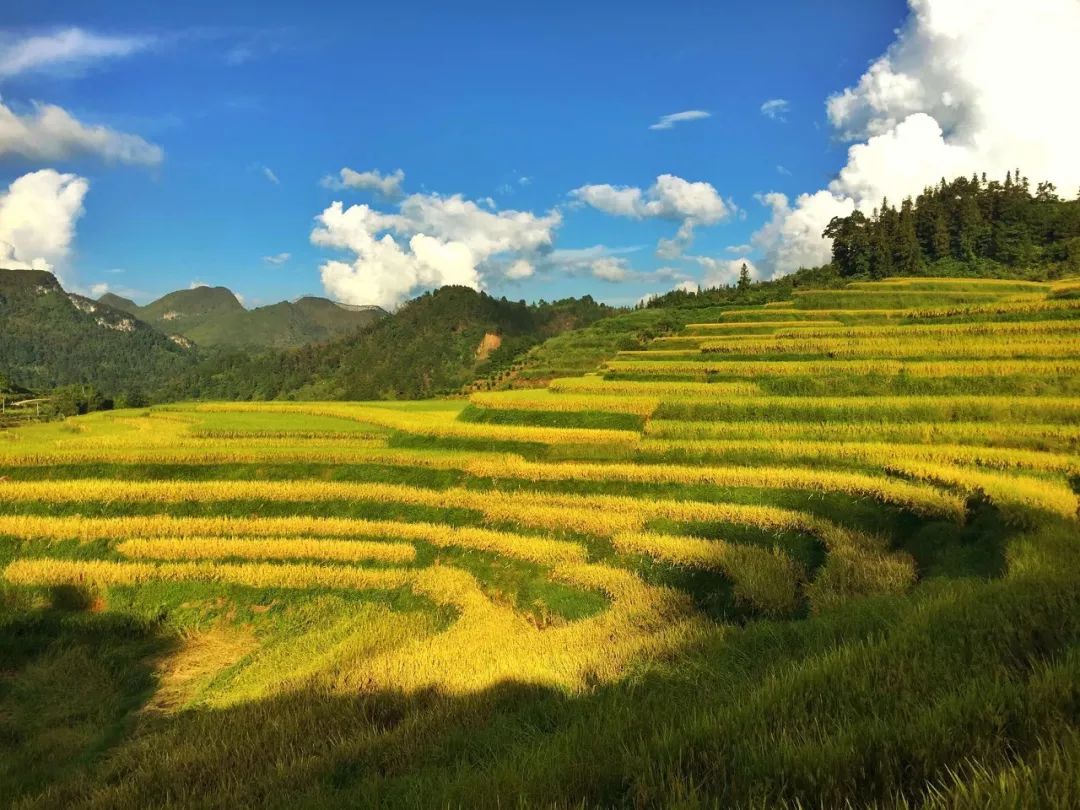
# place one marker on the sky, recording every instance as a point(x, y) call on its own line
point(370, 152)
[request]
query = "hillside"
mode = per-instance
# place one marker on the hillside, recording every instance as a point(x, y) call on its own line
point(819, 553)
point(435, 344)
point(214, 317)
point(50, 338)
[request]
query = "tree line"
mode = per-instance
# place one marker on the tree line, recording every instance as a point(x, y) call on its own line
point(970, 226)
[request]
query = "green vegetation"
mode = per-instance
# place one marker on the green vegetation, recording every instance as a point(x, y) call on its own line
point(50, 338)
point(703, 591)
point(970, 227)
point(433, 345)
point(212, 316)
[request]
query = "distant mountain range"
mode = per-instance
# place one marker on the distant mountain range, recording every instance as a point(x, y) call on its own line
point(49, 337)
point(213, 316)
point(203, 342)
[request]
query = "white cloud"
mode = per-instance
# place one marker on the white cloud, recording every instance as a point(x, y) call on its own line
point(70, 49)
point(669, 121)
point(669, 198)
point(723, 272)
point(38, 212)
point(745, 248)
point(943, 102)
point(277, 258)
point(606, 264)
point(99, 289)
point(776, 109)
point(269, 175)
point(194, 285)
point(431, 241)
point(784, 170)
point(689, 285)
point(387, 185)
point(51, 133)
point(522, 268)
point(611, 268)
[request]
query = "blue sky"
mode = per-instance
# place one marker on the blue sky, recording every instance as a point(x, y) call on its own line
point(486, 100)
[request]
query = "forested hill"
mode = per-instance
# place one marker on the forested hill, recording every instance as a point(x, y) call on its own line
point(434, 344)
point(214, 316)
point(970, 226)
point(51, 338)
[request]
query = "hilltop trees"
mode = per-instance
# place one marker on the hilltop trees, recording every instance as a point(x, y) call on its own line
point(979, 224)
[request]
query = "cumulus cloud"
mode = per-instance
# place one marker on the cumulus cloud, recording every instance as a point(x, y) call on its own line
point(38, 212)
point(69, 49)
point(277, 258)
point(776, 109)
point(611, 268)
point(669, 121)
point(51, 133)
point(669, 198)
point(429, 242)
point(724, 272)
point(522, 268)
point(942, 102)
point(386, 185)
point(606, 264)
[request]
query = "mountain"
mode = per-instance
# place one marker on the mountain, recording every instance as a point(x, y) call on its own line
point(120, 303)
point(49, 338)
point(213, 316)
point(434, 344)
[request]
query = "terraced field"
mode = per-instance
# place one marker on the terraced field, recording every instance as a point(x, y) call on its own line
point(819, 552)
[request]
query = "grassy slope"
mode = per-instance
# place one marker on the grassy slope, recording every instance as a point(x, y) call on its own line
point(49, 341)
point(960, 691)
point(212, 316)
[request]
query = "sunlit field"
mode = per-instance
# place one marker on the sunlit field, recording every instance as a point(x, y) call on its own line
point(810, 554)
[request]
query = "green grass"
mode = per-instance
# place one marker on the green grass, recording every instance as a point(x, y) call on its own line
point(955, 689)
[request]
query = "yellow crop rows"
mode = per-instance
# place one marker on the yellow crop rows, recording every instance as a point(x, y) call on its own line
point(798, 503)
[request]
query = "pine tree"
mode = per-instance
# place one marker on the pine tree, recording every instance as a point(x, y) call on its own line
point(744, 278)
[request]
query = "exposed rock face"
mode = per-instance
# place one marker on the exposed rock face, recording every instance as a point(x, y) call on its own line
point(490, 343)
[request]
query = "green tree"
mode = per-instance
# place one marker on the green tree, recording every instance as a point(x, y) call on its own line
point(744, 278)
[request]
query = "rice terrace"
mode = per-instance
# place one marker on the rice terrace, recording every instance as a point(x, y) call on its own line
point(555, 406)
point(815, 550)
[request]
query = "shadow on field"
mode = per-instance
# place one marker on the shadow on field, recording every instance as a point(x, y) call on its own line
point(865, 704)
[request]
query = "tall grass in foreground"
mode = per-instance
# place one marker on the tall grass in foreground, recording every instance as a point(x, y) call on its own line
point(748, 595)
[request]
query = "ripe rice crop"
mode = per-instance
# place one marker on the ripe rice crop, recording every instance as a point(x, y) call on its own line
point(541, 400)
point(438, 424)
point(1003, 434)
point(487, 644)
point(700, 368)
point(702, 331)
point(976, 346)
point(996, 285)
point(924, 330)
point(922, 500)
point(767, 579)
point(1006, 490)
point(219, 548)
point(877, 454)
point(534, 549)
point(900, 299)
point(598, 385)
point(101, 573)
point(600, 515)
point(1050, 410)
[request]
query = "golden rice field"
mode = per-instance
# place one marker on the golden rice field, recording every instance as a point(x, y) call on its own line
point(656, 558)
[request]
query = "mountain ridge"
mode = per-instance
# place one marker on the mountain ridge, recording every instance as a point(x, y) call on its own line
point(215, 317)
